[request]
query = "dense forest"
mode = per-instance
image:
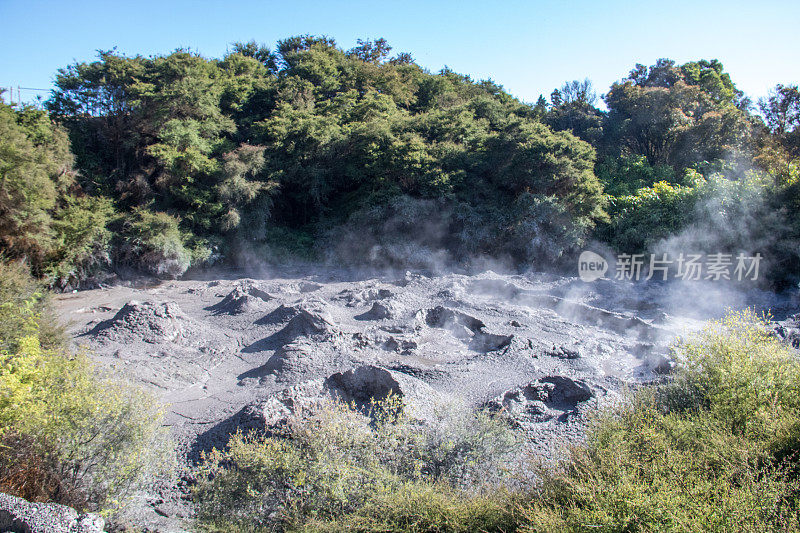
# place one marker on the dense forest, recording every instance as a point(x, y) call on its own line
point(158, 164)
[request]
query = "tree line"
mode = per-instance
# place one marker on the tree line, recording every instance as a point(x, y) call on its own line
point(156, 164)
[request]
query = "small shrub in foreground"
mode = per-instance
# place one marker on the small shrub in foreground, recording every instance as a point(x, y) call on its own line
point(69, 432)
point(72, 435)
point(714, 450)
point(338, 464)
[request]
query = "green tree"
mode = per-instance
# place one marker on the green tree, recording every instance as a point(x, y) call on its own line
point(677, 115)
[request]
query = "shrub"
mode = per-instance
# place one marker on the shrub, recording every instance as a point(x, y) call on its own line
point(154, 243)
point(426, 507)
point(338, 464)
point(715, 449)
point(69, 433)
point(82, 240)
point(654, 213)
point(624, 175)
point(22, 299)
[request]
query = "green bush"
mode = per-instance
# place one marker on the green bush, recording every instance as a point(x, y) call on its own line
point(713, 450)
point(339, 465)
point(416, 507)
point(82, 239)
point(154, 243)
point(654, 213)
point(21, 299)
point(69, 432)
point(624, 175)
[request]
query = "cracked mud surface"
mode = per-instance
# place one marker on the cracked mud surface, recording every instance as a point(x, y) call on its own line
point(232, 353)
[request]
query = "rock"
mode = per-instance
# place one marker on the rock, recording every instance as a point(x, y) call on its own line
point(564, 391)
point(789, 331)
point(562, 352)
point(442, 317)
point(21, 516)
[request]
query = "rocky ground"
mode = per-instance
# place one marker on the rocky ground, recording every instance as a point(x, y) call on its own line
point(241, 352)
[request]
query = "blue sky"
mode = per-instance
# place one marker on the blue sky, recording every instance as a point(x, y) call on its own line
point(528, 47)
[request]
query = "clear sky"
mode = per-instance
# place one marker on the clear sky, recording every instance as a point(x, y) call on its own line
point(528, 47)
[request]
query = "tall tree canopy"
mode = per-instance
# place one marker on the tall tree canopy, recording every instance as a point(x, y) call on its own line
point(677, 115)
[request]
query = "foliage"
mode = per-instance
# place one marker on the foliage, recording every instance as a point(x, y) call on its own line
point(154, 242)
point(82, 241)
point(44, 219)
point(714, 449)
point(640, 220)
point(677, 115)
point(337, 464)
point(268, 154)
point(625, 175)
point(35, 166)
point(426, 507)
point(21, 299)
point(69, 433)
point(303, 137)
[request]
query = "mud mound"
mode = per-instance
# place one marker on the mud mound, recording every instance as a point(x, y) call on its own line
point(445, 318)
point(308, 286)
point(357, 386)
point(274, 411)
point(564, 352)
point(378, 311)
point(242, 300)
point(466, 328)
point(354, 298)
point(542, 400)
point(402, 346)
point(306, 323)
point(489, 342)
point(153, 323)
point(363, 384)
point(279, 315)
point(494, 287)
point(297, 360)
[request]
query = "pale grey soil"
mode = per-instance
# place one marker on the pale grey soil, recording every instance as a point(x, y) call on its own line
point(245, 352)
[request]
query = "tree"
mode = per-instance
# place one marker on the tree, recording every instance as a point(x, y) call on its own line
point(371, 51)
point(573, 109)
point(677, 115)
